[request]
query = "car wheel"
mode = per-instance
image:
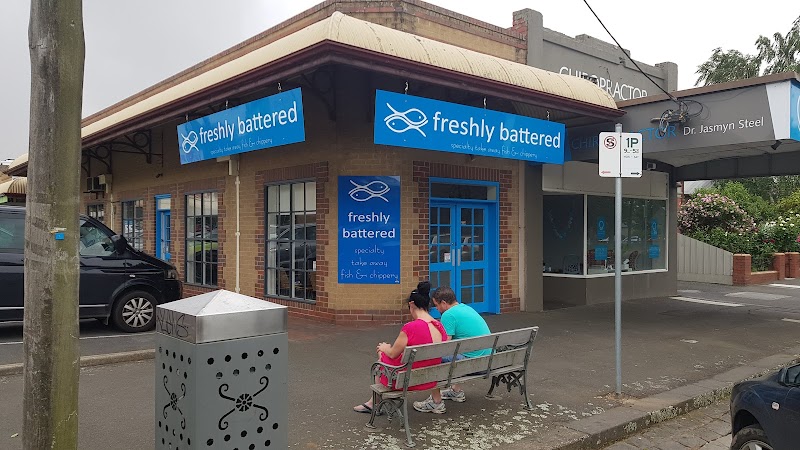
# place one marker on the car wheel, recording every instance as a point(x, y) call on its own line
point(135, 311)
point(751, 438)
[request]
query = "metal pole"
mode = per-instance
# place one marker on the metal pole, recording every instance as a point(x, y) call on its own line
point(618, 272)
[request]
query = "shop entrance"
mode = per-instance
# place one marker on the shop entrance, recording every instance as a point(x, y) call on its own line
point(163, 227)
point(463, 243)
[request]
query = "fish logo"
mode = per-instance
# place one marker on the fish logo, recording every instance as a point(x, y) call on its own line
point(189, 142)
point(411, 119)
point(373, 189)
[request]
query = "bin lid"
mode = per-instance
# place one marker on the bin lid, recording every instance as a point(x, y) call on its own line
point(218, 316)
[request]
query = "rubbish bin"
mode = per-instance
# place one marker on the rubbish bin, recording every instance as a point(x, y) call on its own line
point(221, 370)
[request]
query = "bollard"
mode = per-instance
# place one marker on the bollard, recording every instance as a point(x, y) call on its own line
point(221, 370)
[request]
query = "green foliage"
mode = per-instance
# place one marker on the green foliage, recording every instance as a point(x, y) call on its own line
point(725, 66)
point(783, 232)
point(754, 244)
point(708, 211)
point(771, 189)
point(756, 206)
point(790, 204)
point(779, 54)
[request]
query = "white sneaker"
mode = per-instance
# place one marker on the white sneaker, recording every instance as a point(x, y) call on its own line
point(430, 406)
point(456, 396)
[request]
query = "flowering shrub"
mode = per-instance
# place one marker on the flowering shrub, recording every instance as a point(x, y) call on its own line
point(754, 244)
point(783, 233)
point(713, 211)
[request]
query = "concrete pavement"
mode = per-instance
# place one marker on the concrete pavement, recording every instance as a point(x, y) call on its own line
point(707, 428)
point(672, 352)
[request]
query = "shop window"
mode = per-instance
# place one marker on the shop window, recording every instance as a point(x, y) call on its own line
point(96, 212)
point(291, 241)
point(133, 223)
point(563, 234)
point(464, 191)
point(202, 234)
point(643, 234)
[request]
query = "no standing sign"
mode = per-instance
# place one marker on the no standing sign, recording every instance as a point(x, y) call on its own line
point(620, 155)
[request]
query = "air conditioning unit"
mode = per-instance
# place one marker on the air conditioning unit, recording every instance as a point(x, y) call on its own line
point(93, 185)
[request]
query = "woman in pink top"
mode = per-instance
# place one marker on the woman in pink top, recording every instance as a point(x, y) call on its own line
point(423, 329)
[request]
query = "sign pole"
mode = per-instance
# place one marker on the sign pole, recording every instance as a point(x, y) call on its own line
point(618, 271)
point(619, 156)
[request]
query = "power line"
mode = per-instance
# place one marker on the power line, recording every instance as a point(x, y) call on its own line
point(629, 57)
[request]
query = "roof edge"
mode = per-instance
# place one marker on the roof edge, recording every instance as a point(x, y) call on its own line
point(264, 38)
point(719, 87)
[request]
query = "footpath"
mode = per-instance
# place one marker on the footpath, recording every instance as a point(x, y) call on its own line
point(677, 357)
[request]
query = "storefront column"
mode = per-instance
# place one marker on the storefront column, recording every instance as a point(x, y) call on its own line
point(532, 292)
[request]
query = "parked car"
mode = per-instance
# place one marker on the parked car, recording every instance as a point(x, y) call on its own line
point(305, 247)
point(117, 283)
point(765, 413)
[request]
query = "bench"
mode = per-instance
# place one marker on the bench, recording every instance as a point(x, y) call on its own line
point(506, 364)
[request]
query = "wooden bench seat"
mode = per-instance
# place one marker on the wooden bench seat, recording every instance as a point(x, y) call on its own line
point(506, 364)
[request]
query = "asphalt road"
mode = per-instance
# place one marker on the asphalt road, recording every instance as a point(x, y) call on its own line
point(667, 343)
point(778, 300)
point(96, 338)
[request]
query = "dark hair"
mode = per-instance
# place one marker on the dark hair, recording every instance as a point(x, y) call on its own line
point(444, 294)
point(421, 296)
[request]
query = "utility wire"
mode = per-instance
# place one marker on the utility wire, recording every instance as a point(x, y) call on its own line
point(629, 57)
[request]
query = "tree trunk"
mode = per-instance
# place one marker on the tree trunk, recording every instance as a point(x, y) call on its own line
point(51, 361)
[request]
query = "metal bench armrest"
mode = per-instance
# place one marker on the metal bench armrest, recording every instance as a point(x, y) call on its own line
point(392, 373)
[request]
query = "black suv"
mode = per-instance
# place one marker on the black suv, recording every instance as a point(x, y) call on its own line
point(117, 282)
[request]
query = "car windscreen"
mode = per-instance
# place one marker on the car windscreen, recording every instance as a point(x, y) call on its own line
point(12, 233)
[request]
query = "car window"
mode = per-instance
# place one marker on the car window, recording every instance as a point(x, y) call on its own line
point(12, 233)
point(94, 241)
point(793, 375)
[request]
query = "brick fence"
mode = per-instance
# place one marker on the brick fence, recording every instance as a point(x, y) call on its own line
point(784, 265)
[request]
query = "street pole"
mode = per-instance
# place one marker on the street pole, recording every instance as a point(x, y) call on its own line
point(51, 362)
point(618, 272)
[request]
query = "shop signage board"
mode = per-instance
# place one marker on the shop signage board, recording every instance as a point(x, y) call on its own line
point(416, 122)
point(620, 155)
point(268, 122)
point(369, 229)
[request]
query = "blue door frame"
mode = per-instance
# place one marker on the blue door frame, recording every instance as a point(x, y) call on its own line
point(163, 228)
point(464, 248)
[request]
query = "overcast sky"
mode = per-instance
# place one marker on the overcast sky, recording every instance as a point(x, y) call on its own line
point(131, 45)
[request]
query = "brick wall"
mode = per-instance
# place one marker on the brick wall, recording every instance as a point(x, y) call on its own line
point(318, 172)
point(743, 276)
point(422, 171)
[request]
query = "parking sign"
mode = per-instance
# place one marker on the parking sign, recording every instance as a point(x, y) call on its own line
point(620, 155)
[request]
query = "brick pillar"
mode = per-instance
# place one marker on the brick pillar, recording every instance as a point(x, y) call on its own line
point(741, 269)
point(793, 264)
point(520, 24)
point(779, 264)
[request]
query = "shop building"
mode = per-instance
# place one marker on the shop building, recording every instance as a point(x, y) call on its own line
point(343, 205)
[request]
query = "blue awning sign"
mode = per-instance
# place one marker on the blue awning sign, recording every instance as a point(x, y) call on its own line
point(417, 122)
point(268, 122)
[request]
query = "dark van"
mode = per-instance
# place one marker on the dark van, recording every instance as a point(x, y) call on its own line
point(118, 283)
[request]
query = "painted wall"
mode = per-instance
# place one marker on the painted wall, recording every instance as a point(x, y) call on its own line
point(591, 58)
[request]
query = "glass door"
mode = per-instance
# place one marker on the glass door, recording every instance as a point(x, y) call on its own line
point(458, 252)
point(163, 228)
